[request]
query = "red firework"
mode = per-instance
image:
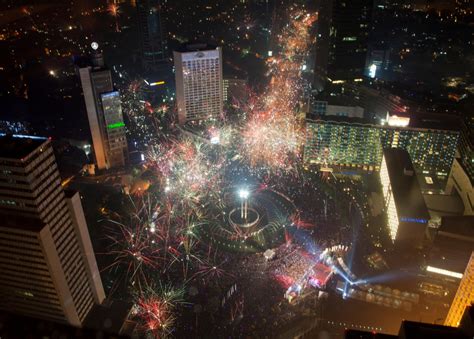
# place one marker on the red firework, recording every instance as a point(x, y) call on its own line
point(156, 315)
point(210, 272)
point(299, 223)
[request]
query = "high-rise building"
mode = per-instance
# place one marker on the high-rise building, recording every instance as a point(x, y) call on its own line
point(199, 85)
point(466, 147)
point(115, 129)
point(357, 144)
point(464, 296)
point(378, 62)
point(460, 181)
point(104, 114)
point(406, 209)
point(341, 40)
point(151, 28)
point(47, 265)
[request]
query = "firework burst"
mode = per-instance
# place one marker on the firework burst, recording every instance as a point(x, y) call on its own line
point(155, 308)
point(186, 169)
point(159, 237)
point(114, 10)
point(210, 272)
point(139, 244)
point(271, 142)
point(132, 250)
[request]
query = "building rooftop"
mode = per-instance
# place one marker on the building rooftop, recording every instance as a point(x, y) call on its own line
point(342, 119)
point(453, 243)
point(406, 190)
point(419, 121)
point(195, 47)
point(461, 226)
point(95, 60)
point(69, 193)
point(435, 121)
point(416, 330)
point(14, 146)
point(440, 205)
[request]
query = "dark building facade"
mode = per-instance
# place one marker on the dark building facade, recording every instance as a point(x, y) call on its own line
point(466, 147)
point(151, 28)
point(341, 40)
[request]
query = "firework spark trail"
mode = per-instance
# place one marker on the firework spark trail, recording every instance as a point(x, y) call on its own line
point(114, 10)
point(153, 239)
point(132, 251)
point(210, 272)
point(156, 307)
point(144, 120)
point(273, 134)
point(186, 170)
point(185, 250)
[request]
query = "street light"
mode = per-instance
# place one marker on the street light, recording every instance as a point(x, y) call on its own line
point(244, 195)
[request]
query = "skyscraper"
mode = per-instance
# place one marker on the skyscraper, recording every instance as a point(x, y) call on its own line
point(115, 129)
point(199, 86)
point(104, 113)
point(466, 146)
point(47, 265)
point(464, 296)
point(153, 40)
point(341, 40)
point(406, 209)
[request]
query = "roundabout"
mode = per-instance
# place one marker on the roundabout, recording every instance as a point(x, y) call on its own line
point(249, 223)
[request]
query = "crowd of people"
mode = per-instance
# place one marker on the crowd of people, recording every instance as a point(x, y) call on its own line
point(291, 264)
point(261, 283)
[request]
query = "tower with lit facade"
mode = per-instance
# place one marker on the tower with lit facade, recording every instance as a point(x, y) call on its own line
point(104, 113)
point(47, 265)
point(199, 84)
point(407, 213)
point(464, 296)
